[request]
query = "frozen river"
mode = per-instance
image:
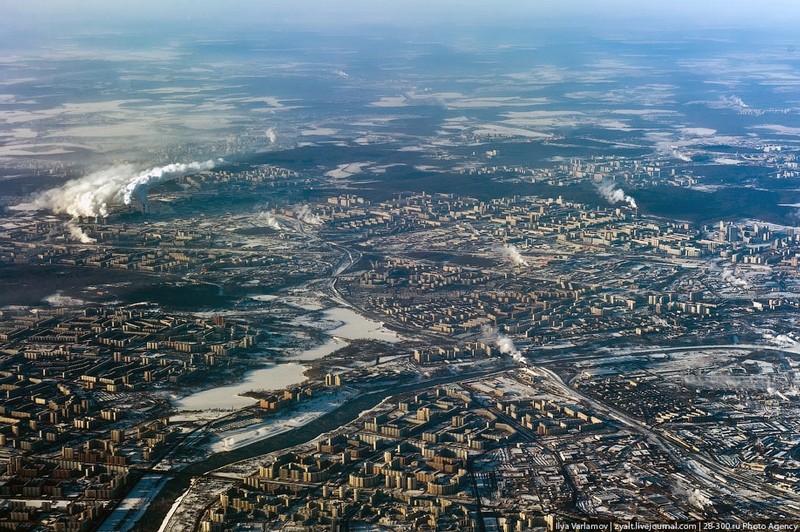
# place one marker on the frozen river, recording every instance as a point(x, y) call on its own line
point(354, 326)
point(271, 377)
point(340, 324)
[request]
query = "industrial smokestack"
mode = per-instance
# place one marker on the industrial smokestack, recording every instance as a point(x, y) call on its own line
point(510, 253)
point(615, 195)
point(91, 195)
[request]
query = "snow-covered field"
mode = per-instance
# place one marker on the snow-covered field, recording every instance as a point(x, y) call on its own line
point(302, 414)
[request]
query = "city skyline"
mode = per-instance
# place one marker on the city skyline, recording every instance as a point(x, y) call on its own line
point(399, 265)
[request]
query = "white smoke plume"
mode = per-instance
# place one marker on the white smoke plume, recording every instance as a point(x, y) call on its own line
point(701, 499)
point(77, 233)
point(507, 347)
point(681, 156)
point(267, 219)
point(510, 253)
point(734, 102)
point(504, 344)
point(304, 214)
point(615, 195)
point(91, 195)
point(271, 136)
point(757, 383)
point(60, 300)
point(729, 276)
point(781, 340)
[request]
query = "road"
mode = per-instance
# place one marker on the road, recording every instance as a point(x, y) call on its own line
point(325, 423)
point(131, 509)
point(716, 473)
point(542, 357)
point(351, 410)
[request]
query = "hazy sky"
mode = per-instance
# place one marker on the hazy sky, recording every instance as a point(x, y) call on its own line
point(347, 14)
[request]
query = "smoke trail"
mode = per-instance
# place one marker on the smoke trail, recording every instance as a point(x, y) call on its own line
point(729, 276)
point(510, 253)
point(266, 218)
point(91, 195)
point(504, 344)
point(507, 347)
point(734, 102)
point(77, 233)
point(614, 195)
point(700, 499)
point(680, 155)
point(304, 214)
point(271, 136)
point(60, 300)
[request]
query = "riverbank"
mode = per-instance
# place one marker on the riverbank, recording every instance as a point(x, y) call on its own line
point(330, 421)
